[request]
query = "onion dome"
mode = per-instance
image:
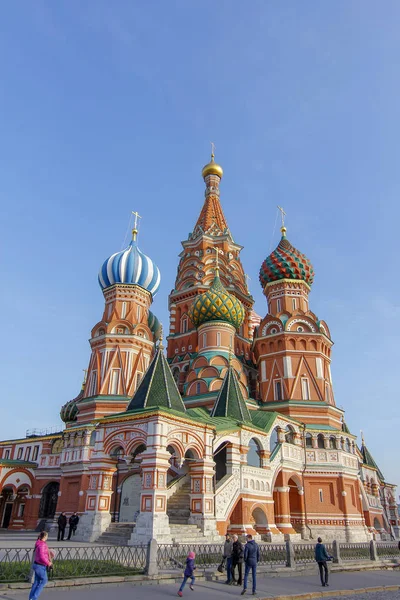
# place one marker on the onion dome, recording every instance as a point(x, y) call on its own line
point(286, 262)
point(154, 325)
point(212, 168)
point(69, 412)
point(130, 266)
point(217, 304)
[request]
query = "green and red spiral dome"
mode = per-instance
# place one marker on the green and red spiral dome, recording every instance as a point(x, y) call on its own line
point(286, 262)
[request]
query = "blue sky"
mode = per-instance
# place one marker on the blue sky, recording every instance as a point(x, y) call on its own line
point(110, 107)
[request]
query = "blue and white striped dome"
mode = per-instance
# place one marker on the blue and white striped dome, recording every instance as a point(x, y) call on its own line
point(130, 266)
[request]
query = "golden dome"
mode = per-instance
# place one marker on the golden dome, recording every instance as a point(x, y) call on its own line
point(212, 168)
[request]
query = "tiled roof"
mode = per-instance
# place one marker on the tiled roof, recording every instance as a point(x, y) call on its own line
point(230, 401)
point(370, 462)
point(158, 387)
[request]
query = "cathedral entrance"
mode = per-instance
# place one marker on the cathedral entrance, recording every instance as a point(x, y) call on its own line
point(130, 498)
point(295, 504)
point(6, 507)
point(48, 502)
point(260, 521)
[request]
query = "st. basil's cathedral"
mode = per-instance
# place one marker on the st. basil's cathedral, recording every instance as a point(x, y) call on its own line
point(234, 429)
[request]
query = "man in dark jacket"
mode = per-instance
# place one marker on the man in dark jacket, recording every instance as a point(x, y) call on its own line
point(73, 524)
point(321, 556)
point(251, 558)
point(62, 523)
point(237, 560)
point(228, 547)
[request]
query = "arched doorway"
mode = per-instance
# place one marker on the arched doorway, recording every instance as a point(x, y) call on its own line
point(295, 505)
point(130, 498)
point(260, 521)
point(220, 458)
point(6, 506)
point(48, 502)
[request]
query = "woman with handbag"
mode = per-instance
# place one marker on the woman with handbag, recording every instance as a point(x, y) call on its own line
point(41, 562)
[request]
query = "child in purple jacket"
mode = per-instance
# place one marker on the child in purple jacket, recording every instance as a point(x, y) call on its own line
point(188, 574)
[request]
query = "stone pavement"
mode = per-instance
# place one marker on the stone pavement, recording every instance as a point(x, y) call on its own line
point(268, 587)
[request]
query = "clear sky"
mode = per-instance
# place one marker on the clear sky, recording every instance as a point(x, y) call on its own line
point(108, 107)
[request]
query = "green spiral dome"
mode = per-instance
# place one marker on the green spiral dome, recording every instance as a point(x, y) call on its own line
point(217, 304)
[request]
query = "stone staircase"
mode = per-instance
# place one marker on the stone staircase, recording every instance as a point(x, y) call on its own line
point(116, 534)
point(178, 506)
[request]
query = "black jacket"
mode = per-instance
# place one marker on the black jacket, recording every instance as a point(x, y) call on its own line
point(237, 552)
point(73, 521)
point(251, 553)
point(62, 521)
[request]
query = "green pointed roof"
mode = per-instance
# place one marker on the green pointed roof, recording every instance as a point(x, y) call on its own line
point(158, 387)
point(369, 461)
point(230, 401)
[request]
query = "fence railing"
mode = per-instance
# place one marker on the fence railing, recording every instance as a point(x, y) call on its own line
point(95, 561)
point(75, 562)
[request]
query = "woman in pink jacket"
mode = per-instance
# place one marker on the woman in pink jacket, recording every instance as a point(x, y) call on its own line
point(41, 561)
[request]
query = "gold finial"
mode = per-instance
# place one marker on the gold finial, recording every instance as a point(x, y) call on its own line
point(217, 250)
point(283, 215)
point(160, 339)
point(230, 355)
point(84, 378)
point(212, 168)
point(135, 225)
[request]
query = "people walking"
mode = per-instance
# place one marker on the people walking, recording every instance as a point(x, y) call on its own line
point(62, 524)
point(321, 556)
point(251, 558)
point(73, 524)
point(237, 560)
point(41, 561)
point(188, 573)
point(227, 555)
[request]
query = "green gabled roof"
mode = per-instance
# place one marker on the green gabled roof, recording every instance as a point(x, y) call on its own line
point(202, 415)
point(158, 387)
point(230, 401)
point(369, 461)
point(322, 427)
point(262, 419)
point(345, 428)
point(7, 462)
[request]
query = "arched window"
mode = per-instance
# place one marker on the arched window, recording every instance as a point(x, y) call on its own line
point(289, 435)
point(92, 438)
point(321, 441)
point(254, 454)
point(218, 338)
point(198, 387)
point(184, 324)
point(332, 443)
point(204, 340)
point(308, 440)
point(274, 440)
point(348, 446)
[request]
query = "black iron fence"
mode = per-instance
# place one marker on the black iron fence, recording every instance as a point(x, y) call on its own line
point(74, 562)
point(95, 561)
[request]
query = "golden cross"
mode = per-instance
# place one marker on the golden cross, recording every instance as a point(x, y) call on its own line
point(217, 250)
point(137, 216)
point(283, 215)
point(212, 149)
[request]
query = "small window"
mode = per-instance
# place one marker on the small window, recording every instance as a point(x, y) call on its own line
point(138, 379)
point(332, 443)
point(348, 446)
point(294, 304)
point(114, 381)
point(198, 387)
point(273, 330)
point(218, 338)
point(138, 313)
point(7, 454)
point(278, 305)
point(321, 441)
point(305, 389)
point(19, 455)
point(300, 329)
point(93, 383)
point(278, 390)
point(35, 453)
point(321, 495)
point(308, 440)
point(184, 327)
point(204, 340)
point(123, 310)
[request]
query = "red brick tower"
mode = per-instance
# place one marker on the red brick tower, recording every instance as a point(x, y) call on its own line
point(195, 275)
point(292, 346)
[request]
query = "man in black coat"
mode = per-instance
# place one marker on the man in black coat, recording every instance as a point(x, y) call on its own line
point(73, 524)
point(62, 523)
point(237, 560)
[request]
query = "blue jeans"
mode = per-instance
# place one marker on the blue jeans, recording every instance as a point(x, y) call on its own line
point(246, 574)
point(185, 578)
point(229, 568)
point(40, 581)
